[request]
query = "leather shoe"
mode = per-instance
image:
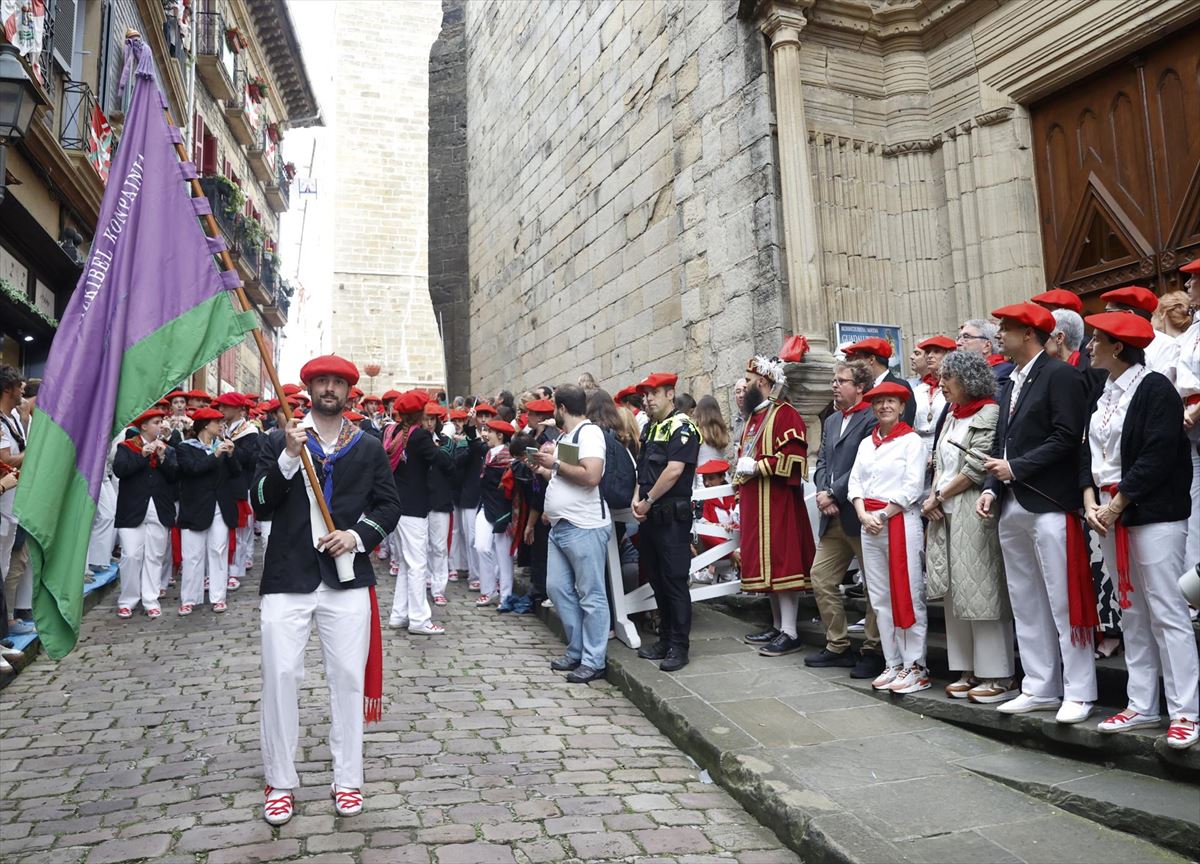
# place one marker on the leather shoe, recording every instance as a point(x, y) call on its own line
point(825, 658)
point(564, 664)
point(855, 590)
point(780, 645)
point(657, 651)
point(584, 674)
point(674, 661)
point(763, 638)
point(869, 665)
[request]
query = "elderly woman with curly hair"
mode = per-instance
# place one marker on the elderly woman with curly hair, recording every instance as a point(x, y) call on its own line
point(963, 560)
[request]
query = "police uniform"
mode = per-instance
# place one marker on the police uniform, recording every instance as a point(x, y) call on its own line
point(665, 545)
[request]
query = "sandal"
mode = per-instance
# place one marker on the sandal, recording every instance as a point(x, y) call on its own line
point(219, 607)
point(124, 612)
point(347, 802)
point(185, 609)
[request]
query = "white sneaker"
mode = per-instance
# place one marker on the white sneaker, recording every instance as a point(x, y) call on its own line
point(398, 623)
point(1127, 719)
point(911, 680)
point(886, 677)
point(1073, 712)
point(430, 629)
point(857, 627)
point(547, 603)
point(1025, 703)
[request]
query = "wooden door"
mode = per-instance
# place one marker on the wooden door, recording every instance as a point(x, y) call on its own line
point(1117, 162)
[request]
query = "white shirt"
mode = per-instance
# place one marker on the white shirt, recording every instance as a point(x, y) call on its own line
point(893, 472)
point(1187, 368)
point(1018, 380)
point(1162, 355)
point(8, 442)
point(929, 404)
point(579, 505)
point(1107, 423)
point(289, 465)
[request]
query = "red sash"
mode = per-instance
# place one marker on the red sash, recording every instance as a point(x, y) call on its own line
point(902, 607)
point(1081, 593)
point(373, 677)
point(1124, 583)
point(245, 511)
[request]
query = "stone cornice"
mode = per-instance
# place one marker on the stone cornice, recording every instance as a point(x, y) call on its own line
point(911, 22)
point(276, 50)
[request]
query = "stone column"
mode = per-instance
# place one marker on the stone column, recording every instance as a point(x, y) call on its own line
point(808, 382)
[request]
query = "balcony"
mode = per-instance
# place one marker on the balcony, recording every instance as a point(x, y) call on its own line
point(278, 189)
point(249, 255)
point(242, 112)
point(262, 291)
point(85, 134)
point(276, 313)
point(262, 156)
point(216, 62)
point(219, 193)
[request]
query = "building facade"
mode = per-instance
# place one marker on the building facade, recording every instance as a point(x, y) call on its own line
point(381, 311)
point(234, 80)
point(677, 185)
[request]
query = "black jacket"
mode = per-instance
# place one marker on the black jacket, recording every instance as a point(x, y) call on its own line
point(497, 508)
point(910, 405)
point(140, 483)
point(468, 467)
point(205, 483)
point(441, 481)
point(364, 500)
point(835, 461)
point(412, 472)
point(1156, 467)
point(245, 451)
point(1042, 437)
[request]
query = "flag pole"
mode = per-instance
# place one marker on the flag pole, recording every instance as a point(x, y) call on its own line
point(211, 229)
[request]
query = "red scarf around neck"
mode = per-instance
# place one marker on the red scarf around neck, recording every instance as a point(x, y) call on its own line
point(996, 359)
point(136, 444)
point(968, 409)
point(854, 409)
point(931, 380)
point(899, 429)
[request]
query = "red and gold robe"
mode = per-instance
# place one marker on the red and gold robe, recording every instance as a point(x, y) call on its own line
point(777, 539)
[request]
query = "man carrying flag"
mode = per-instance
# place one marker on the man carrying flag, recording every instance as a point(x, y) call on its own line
point(150, 308)
point(310, 574)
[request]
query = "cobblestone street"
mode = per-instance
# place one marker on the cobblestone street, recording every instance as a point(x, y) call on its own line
point(143, 743)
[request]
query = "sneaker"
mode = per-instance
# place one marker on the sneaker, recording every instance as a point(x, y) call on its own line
point(398, 623)
point(657, 651)
point(781, 645)
point(857, 627)
point(473, 585)
point(452, 576)
point(676, 660)
point(123, 612)
point(1025, 703)
point(278, 806)
point(430, 629)
point(764, 638)
point(1182, 734)
point(584, 674)
point(440, 600)
point(564, 664)
point(506, 604)
point(993, 690)
point(1127, 719)
point(1073, 712)
point(220, 606)
point(153, 613)
point(912, 680)
point(827, 659)
point(885, 678)
point(960, 688)
point(547, 603)
point(347, 802)
point(233, 584)
point(870, 664)
point(394, 570)
point(484, 599)
point(185, 609)
point(857, 590)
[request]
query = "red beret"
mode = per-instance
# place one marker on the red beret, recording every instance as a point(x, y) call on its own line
point(291, 389)
point(371, 397)
point(434, 409)
point(1029, 314)
point(1058, 298)
point(945, 343)
point(233, 400)
point(409, 403)
point(713, 466)
point(872, 345)
point(657, 379)
point(1134, 296)
point(203, 414)
point(1191, 267)
point(356, 393)
point(269, 405)
point(198, 394)
point(175, 394)
point(390, 394)
point(502, 426)
point(485, 408)
point(625, 393)
point(353, 416)
point(1122, 327)
point(458, 414)
point(888, 388)
point(148, 414)
point(332, 365)
point(540, 406)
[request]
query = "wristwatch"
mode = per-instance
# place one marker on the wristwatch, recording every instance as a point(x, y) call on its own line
point(649, 500)
point(554, 467)
point(937, 496)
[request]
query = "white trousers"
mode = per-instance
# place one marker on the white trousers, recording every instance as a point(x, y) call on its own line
point(982, 647)
point(100, 546)
point(459, 542)
point(244, 553)
point(483, 567)
point(1191, 556)
point(1035, 563)
point(436, 553)
point(343, 619)
point(205, 553)
point(900, 647)
point(1159, 639)
point(410, 604)
point(143, 550)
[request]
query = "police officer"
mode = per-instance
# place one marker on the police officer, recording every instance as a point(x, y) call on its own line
point(662, 503)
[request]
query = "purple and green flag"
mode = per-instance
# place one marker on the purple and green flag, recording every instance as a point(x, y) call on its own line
point(151, 307)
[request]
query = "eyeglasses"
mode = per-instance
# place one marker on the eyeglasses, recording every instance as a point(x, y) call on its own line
point(836, 381)
point(966, 337)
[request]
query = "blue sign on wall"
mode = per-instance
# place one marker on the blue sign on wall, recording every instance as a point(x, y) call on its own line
point(849, 332)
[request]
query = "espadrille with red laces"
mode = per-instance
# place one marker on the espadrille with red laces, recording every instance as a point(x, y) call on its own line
point(279, 805)
point(347, 802)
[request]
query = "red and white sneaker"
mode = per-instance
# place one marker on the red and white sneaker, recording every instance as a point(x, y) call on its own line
point(185, 609)
point(220, 606)
point(911, 680)
point(233, 584)
point(347, 802)
point(473, 585)
point(153, 613)
point(394, 569)
point(886, 677)
point(124, 612)
point(452, 576)
point(279, 806)
point(1127, 719)
point(440, 600)
point(1182, 734)
point(484, 599)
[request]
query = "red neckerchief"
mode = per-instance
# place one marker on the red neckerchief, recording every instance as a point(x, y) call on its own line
point(995, 359)
point(899, 429)
point(395, 444)
point(969, 408)
point(136, 444)
point(931, 380)
point(1073, 360)
point(854, 409)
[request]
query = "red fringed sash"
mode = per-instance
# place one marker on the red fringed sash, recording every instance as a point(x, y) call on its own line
point(1124, 583)
point(902, 607)
point(373, 679)
point(1081, 594)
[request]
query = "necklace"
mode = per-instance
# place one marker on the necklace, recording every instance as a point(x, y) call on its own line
point(1110, 407)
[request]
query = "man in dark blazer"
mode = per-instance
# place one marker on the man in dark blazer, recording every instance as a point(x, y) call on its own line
point(876, 353)
point(311, 573)
point(1042, 415)
point(847, 425)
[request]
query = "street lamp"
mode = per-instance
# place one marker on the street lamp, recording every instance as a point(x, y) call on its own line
point(18, 100)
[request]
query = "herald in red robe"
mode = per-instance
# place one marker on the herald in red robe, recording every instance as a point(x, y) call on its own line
point(777, 539)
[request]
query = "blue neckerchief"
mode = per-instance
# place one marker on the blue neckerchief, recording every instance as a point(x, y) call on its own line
point(327, 461)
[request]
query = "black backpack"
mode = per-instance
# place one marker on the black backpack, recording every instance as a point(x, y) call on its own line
point(620, 475)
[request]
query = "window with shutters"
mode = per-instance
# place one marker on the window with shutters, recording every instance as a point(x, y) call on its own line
point(116, 16)
point(63, 41)
point(210, 162)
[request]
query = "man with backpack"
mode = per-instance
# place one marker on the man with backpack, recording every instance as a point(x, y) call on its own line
point(579, 532)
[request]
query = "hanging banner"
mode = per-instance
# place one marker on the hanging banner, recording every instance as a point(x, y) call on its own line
point(99, 143)
point(25, 27)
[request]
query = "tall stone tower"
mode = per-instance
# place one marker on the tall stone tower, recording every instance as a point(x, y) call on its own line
point(381, 311)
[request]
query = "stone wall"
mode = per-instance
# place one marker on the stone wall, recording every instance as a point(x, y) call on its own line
point(448, 270)
point(621, 185)
point(381, 310)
